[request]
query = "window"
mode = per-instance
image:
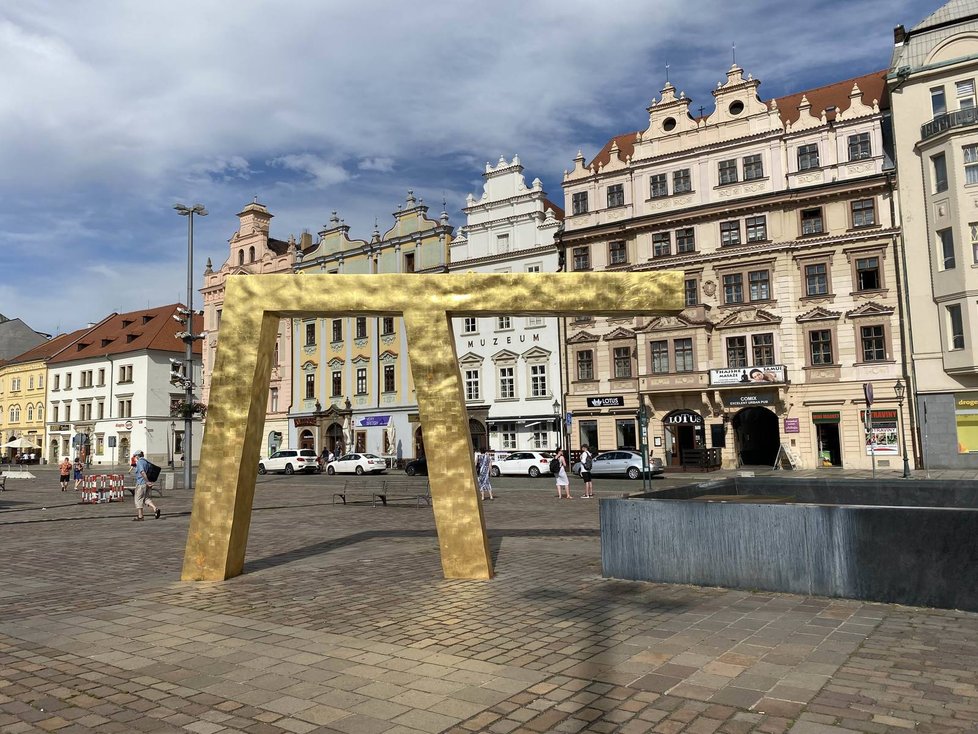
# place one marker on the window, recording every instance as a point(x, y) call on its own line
point(534, 321)
point(811, 221)
point(683, 349)
point(579, 202)
point(14, 413)
point(337, 383)
point(54, 413)
point(125, 374)
point(502, 242)
point(816, 279)
point(86, 378)
point(408, 262)
point(361, 327)
point(736, 351)
point(661, 244)
point(472, 387)
point(582, 258)
point(873, 342)
point(507, 383)
point(685, 240)
point(310, 387)
point(691, 293)
point(616, 195)
point(681, 181)
point(40, 379)
point(971, 164)
point(623, 361)
point(617, 254)
point(820, 346)
point(660, 356)
point(387, 325)
point(101, 410)
point(470, 325)
point(585, 365)
point(762, 347)
point(756, 228)
point(965, 92)
point(658, 186)
point(730, 233)
point(272, 400)
point(939, 162)
point(533, 268)
point(125, 409)
point(538, 381)
point(389, 385)
point(863, 213)
point(507, 432)
point(938, 102)
point(728, 172)
point(868, 274)
point(361, 381)
point(15, 384)
point(30, 381)
point(859, 147)
point(955, 326)
point(310, 334)
point(503, 323)
point(753, 167)
point(68, 380)
point(539, 440)
point(57, 380)
point(807, 157)
point(337, 330)
point(973, 226)
point(946, 236)
point(733, 288)
point(760, 285)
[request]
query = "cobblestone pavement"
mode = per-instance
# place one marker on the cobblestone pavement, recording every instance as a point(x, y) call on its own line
point(343, 623)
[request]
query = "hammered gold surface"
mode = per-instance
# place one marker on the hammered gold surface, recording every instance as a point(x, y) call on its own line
point(239, 388)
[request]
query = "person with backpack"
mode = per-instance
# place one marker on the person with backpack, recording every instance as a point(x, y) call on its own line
point(143, 485)
point(558, 467)
point(586, 472)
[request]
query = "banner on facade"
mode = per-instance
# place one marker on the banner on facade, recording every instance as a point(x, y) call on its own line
point(825, 416)
point(373, 420)
point(792, 425)
point(771, 373)
point(881, 436)
point(304, 421)
point(683, 417)
point(611, 401)
point(966, 420)
point(749, 399)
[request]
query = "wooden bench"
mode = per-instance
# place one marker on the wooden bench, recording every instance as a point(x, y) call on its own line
point(390, 488)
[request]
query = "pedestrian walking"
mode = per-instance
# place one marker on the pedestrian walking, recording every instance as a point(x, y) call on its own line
point(560, 475)
point(586, 472)
point(143, 485)
point(79, 469)
point(483, 469)
point(64, 469)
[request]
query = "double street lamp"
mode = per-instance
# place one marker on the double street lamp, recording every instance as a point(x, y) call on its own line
point(188, 338)
point(900, 390)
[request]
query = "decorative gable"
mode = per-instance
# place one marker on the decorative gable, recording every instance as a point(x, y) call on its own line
point(387, 356)
point(818, 314)
point(470, 359)
point(309, 366)
point(664, 323)
point(536, 353)
point(869, 310)
point(361, 359)
point(335, 363)
point(582, 338)
point(506, 355)
point(749, 317)
point(619, 333)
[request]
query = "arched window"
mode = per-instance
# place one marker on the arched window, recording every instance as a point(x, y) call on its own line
point(40, 412)
point(30, 412)
point(240, 257)
point(251, 254)
point(14, 413)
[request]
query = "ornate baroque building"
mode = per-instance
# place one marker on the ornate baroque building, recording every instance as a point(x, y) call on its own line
point(781, 215)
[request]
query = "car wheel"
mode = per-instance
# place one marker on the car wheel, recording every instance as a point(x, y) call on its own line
point(330, 470)
point(534, 472)
point(261, 468)
point(289, 469)
point(494, 471)
point(634, 472)
point(410, 471)
point(359, 470)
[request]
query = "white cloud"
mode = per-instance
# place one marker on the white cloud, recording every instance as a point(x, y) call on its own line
point(322, 173)
point(379, 163)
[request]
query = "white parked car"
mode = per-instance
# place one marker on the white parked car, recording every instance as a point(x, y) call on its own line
point(623, 463)
point(357, 464)
point(290, 461)
point(522, 463)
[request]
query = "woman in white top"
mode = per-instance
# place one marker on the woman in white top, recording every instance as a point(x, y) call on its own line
point(561, 476)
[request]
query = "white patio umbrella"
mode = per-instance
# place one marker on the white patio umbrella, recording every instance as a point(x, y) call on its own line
point(20, 443)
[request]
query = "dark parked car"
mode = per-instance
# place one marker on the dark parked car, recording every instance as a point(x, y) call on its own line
point(418, 466)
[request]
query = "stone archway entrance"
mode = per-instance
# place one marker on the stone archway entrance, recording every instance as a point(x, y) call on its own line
point(757, 436)
point(307, 441)
point(684, 430)
point(419, 442)
point(480, 437)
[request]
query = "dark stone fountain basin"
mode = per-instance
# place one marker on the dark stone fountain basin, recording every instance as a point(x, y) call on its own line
point(909, 542)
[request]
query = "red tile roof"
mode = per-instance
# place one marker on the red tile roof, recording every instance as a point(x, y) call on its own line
point(149, 329)
point(873, 86)
point(558, 210)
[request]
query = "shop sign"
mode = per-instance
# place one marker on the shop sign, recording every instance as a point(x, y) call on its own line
point(304, 422)
point(612, 401)
point(745, 401)
point(685, 418)
point(771, 373)
point(792, 425)
point(128, 425)
point(374, 420)
point(966, 421)
point(825, 416)
point(881, 434)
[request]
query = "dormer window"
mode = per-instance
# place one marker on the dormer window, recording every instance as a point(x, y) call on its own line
point(131, 338)
point(147, 319)
point(126, 323)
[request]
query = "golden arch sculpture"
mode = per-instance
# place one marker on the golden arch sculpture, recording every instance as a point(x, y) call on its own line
point(253, 306)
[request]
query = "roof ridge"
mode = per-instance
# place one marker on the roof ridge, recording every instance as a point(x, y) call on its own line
point(832, 84)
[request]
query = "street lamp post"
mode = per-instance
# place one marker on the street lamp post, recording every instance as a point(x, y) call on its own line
point(558, 421)
point(900, 390)
point(188, 337)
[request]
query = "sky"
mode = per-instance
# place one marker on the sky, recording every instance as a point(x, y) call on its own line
point(113, 111)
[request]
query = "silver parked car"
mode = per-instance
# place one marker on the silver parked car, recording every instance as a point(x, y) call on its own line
point(623, 463)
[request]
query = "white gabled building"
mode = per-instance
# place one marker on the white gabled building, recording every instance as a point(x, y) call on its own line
point(109, 391)
point(510, 365)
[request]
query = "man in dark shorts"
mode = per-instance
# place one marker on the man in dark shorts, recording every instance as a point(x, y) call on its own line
point(143, 485)
point(586, 472)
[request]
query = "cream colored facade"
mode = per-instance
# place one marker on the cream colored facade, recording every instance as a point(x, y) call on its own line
point(22, 391)
point(932, 80)
point(252, 251)
point(353, 388)
point(780, 213)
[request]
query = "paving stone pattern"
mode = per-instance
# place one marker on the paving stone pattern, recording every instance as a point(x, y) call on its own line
point(343, 623)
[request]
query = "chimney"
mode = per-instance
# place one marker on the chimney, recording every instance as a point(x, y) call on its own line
point(305, 241)
point(899, 35)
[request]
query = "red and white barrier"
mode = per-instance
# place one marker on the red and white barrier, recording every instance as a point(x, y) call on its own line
point(97, 488)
